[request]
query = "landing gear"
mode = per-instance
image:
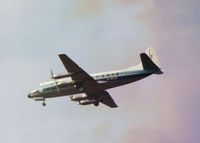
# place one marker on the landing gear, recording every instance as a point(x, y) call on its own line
point(43, 103)
point(96, 103)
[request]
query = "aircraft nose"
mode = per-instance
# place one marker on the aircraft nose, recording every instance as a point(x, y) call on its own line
point(29, 95)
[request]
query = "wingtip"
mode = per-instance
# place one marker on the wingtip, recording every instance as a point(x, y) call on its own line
point(61, 55)
point(115, 106)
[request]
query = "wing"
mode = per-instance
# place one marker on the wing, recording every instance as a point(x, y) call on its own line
point(107, 100)
point(84, 80)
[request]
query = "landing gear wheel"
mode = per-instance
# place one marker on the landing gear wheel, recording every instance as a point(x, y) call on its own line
point(43, 103)
point(96, 103)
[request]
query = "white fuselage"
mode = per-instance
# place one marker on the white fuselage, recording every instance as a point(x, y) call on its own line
point(107, 80)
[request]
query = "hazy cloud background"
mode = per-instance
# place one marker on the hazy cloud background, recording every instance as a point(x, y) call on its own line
point(100, 36)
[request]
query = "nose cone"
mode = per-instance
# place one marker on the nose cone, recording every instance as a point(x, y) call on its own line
point(29, 95)
point(33, 94)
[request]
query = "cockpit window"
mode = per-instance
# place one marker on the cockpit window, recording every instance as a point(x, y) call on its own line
point(47, 84)
point(49, 88)
point(35, 92)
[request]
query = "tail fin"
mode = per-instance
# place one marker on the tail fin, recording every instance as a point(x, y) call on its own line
point(151, 52)
point(150, 60)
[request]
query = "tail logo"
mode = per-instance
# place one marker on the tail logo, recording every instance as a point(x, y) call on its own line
point(151, 56)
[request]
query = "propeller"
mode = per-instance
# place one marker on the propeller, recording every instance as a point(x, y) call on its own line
point(51, 71)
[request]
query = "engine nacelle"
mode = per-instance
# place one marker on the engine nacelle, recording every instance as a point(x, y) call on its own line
point(79, 98)
point(61, 75)
point(87, 102)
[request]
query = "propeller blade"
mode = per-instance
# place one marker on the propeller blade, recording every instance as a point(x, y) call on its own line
point(51, 71)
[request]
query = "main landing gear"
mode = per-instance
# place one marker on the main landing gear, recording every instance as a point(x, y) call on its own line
point(96, 103)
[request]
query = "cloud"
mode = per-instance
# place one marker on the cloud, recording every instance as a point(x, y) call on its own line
point(101, 133)
point(143, 135)
point(134, 3)
point(88, 8)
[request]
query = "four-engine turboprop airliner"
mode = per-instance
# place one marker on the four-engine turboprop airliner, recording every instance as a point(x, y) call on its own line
point(93, 87)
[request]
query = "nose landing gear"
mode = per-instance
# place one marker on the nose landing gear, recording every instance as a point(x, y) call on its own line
point(43, 103)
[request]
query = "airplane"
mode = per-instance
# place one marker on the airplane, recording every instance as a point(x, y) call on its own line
point(92, 88)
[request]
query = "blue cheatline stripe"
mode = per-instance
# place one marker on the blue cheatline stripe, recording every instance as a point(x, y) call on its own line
point(107, 76)
point(121, 75)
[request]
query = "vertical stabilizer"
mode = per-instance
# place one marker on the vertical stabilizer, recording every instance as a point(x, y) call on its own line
point(149, 61)
point(151, 52)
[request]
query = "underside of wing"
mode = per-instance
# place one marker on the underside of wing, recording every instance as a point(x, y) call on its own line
point(82, 78)
point(85, 81)
point(107, 100)
point(77, 72)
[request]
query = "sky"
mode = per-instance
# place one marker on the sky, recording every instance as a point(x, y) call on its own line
point(100, 35)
